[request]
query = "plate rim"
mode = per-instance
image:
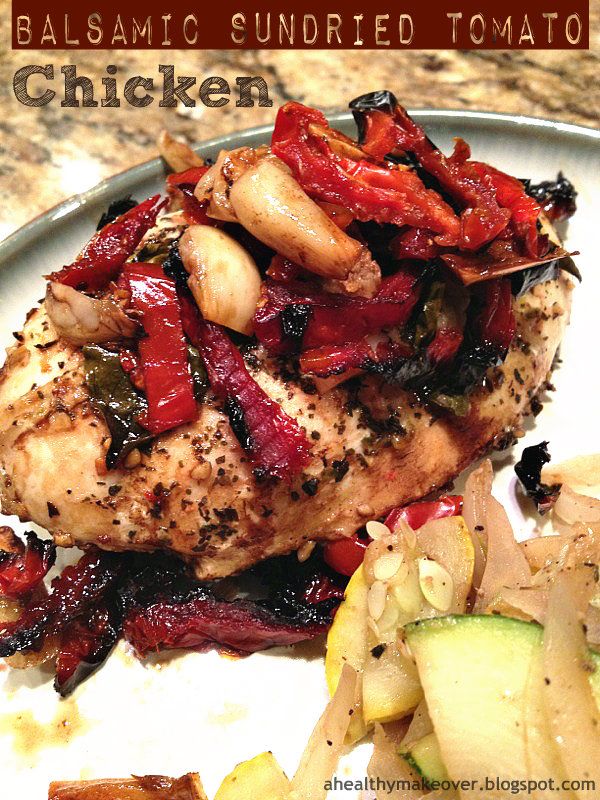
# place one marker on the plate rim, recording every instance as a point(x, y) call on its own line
point(27, 233)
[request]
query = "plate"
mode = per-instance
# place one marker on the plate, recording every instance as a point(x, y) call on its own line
point(205, 712)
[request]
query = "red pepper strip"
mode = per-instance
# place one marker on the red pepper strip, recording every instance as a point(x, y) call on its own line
point(84, 646)
point(22, 568)
point(102, 259)
point(336, 359)
point(297, 317)
point(417, 514)
point(204, 621)
point(524, 210)
point(369, 191)
point(182, 185)
point(73, 592)
point(415, 243)
point(167, 380)
point(495, 325)
point(483, 219)
point(444, 345)
point(346, 555)
point(189, 177)
point(275, 441)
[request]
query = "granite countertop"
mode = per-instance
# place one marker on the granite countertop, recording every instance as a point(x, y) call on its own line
point(50, 153)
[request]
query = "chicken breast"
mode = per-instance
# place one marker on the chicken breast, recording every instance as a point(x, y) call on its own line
point(194, 492)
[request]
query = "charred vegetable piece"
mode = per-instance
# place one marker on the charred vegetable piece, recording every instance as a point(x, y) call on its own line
point(502, 258)
point(385, 193)
point(85, 645)
point(198, 372)
point(292, 584)
point(114, 395)
point(73, 592)
point(386, 126)
point(167, 379)
point(23, 567)
point(472, 362)
point(274, 441)
point(296, 317)
point(143, 787)
point(557, 198)
point(116, 209)
point(102, 259)
point(182, 185)
point(524, 210)
point(529, 473)
point(336, 359)
point(321, 589)
point(203, 620)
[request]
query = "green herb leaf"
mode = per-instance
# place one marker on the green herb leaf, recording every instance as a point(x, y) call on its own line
point(458, 404)
point(114, 395)
point(428, 318)
point(198, 372)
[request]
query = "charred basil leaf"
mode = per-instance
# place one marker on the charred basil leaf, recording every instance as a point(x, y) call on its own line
point(114, 395)
point(173, 266)
point(529, 473)
point(568, 265)
point(86, 644)
point(198, 372)
point(458, 404)
point(522, 282)
point(427, 321)
point(382, 100)
point(558, 197)
point(116, 209)
point(237, 420)
point(472, 362)
point(294, 321)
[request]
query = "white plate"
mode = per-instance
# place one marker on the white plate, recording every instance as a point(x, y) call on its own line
point(203, 712)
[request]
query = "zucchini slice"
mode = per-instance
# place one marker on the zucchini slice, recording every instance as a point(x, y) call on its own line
point(482, 677)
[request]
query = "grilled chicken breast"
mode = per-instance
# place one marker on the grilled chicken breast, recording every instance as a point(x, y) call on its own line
point(194, 492)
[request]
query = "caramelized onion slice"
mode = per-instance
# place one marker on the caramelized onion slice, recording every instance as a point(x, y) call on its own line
point(581, 474)
point(420, 726)
point(391, 770)
point(81, 319)
point(573, 715)
point(478, 490)
point(506, 565)
point(322, 753)
point(573, 507)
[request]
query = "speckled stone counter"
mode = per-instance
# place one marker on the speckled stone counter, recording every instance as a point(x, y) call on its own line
point(50, 153)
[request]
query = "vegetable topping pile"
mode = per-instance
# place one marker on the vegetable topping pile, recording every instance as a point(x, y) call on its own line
point(344, 257)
